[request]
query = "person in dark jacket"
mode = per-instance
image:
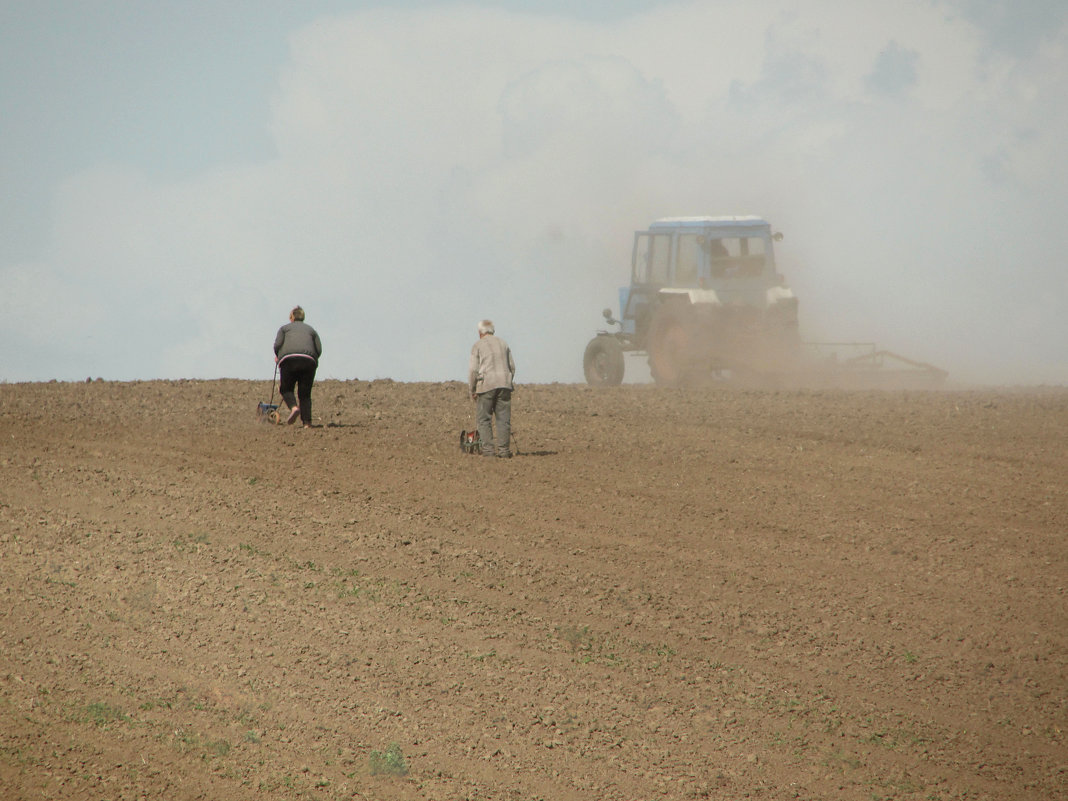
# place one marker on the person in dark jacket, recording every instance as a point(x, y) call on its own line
point(296, 351)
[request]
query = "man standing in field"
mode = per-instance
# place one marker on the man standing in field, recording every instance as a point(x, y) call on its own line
point(490, 373)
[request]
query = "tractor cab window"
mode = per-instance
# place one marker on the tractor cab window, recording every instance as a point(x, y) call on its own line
point(736, 257)
point(652, 255)
point(752, 246)
point(720, 254)
point(687, 258)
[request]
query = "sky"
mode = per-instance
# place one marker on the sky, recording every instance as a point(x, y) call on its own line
point(176, 175)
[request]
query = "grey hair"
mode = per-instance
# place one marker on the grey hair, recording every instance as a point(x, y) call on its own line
point(297, 314)
point(485, 327)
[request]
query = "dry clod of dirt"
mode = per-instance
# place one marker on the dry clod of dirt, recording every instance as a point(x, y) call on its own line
point(685, 594)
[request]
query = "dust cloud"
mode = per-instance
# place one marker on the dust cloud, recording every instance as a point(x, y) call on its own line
point(434, 166)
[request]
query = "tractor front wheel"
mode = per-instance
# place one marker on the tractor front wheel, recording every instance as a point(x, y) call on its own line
point(603, 362)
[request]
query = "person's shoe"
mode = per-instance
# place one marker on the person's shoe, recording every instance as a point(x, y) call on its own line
point(504, 456)
point(294, 413)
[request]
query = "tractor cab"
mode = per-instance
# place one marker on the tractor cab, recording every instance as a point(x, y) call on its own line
point(718, 260)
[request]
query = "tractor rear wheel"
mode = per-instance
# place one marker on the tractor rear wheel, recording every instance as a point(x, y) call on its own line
point(603, 362)
point(671, 344)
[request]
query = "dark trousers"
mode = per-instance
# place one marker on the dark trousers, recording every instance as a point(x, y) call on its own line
point(299, 372)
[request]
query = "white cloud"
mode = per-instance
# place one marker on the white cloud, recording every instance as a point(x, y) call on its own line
point(440, 165)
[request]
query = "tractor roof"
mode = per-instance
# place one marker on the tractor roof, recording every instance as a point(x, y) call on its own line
point(693, 223)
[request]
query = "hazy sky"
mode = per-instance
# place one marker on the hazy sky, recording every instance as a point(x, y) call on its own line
point(176, 175)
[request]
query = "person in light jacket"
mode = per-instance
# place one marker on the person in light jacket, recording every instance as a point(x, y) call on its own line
point(296, 351)
point(490, 376)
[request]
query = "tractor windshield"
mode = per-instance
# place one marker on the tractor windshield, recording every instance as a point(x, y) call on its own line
point(735, 257)
point(698, 259)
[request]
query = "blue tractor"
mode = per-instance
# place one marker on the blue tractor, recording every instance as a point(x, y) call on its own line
point(704, 299)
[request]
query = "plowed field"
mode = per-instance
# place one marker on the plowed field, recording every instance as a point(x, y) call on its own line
point(682, 594)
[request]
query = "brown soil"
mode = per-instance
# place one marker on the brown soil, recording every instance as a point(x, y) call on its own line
point(711, 593)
